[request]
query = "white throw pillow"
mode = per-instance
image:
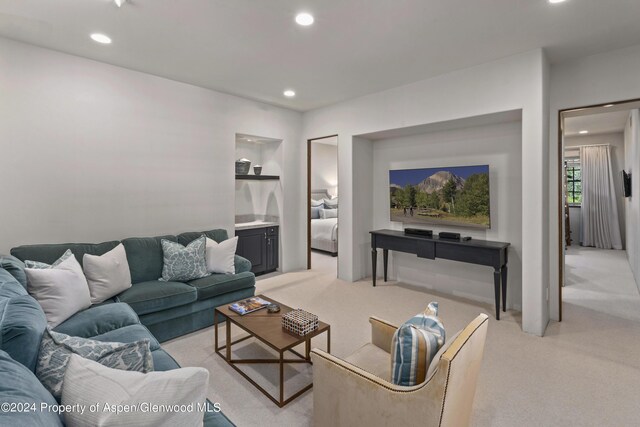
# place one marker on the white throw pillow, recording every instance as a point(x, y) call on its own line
point(180, 393)
point(328, 213)
point(221, 256)
point(61, 291)
point(108, 274)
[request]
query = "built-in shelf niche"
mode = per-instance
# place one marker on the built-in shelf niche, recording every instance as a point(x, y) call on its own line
point(259, 195)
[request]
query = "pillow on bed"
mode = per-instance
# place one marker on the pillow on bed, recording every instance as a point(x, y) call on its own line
point(315, 212)
point(328, 213)
point(316, 203)
point(330, 203)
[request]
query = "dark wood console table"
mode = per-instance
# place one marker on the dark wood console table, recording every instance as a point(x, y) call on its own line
point(482, 252)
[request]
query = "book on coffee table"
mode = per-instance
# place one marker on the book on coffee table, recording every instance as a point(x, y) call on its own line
point(249, 305)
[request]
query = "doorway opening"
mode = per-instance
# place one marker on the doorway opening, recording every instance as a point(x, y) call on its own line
point(599, 208)
point(322, 204)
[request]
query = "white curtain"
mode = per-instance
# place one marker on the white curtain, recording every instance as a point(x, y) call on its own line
point(600, 225)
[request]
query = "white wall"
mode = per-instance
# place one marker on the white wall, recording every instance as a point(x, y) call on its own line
point(94, 152)
point(517, 82)
point(496, 145)
point(632, 204)
point(324, 167)
point(616, 141)
point(597, 79)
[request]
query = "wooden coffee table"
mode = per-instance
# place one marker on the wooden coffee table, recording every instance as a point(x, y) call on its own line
point(267, 328)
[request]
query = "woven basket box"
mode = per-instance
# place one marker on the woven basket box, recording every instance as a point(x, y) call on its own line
point(300, 322)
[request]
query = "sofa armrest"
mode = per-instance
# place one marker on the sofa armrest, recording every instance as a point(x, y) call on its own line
point(242, 264)
point(382, 333)
point(15, 267)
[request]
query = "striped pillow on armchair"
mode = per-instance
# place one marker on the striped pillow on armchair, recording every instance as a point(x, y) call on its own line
point(415, 345)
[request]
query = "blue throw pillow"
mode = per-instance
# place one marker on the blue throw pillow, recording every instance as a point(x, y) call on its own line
point(415, 345)
point(315, 212)
point(183, 263)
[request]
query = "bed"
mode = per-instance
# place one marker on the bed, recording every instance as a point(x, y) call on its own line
point(324, 231)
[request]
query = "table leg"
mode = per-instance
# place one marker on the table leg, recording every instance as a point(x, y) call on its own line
point(228, 328)
point(281, 379)
point(385, 257)
point(374, 261)
point(496, 286)
point(307, 349)
point(504, 288)
point(215, 318)
point(329, 340)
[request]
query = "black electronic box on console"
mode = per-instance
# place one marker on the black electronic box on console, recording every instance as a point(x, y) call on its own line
point(418, 232)
point(449, 235)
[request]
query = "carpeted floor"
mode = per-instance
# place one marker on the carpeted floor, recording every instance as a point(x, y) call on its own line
point(601, 280)
point(584, 372)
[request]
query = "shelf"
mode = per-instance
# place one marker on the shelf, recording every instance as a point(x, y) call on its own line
point(258, 177)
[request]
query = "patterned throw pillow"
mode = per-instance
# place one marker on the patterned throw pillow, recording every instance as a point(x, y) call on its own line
point(415, 345)
point(42, 265)
point(56, 350)
point(182, 263)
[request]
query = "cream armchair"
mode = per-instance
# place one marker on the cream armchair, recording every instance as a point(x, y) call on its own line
point(357, 391)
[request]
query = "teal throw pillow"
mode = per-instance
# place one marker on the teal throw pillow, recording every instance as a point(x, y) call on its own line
point(183, 263)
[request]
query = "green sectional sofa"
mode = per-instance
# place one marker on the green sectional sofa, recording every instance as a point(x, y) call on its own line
point(22, 325)
point(167, 309)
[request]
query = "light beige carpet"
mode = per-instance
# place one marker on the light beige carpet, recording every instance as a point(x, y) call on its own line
point(584, 372)
point(601, 280)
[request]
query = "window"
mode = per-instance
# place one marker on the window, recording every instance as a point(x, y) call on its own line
point(574, 183)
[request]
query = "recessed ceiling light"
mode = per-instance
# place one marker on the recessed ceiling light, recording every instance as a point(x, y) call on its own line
point(304, 19)
point(119, 3)
point(556, 1)
point(100, 38)
point(582, 132)
point(608, 105)
point(289, 93)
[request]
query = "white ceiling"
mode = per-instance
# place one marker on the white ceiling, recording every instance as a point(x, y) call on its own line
point(254, 49)
point(596, 123)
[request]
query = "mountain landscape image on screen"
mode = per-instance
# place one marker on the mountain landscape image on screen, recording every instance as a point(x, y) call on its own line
point(445, 196)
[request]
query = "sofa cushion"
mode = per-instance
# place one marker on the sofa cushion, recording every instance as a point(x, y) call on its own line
point(144, 255)
point(20, 386)
point(129, 334)
point(152, 296)
point(218, 235)
point(98, 320)
point(51, 252)
point(15, 267)
point(217, 284)
point(22, 323)
point(372, 359)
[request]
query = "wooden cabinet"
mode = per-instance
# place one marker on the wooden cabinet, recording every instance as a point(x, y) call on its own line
point(261, 247)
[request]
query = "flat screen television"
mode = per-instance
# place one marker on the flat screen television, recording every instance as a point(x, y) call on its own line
point(447, 196)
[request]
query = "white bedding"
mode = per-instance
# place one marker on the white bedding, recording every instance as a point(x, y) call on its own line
point(324, 229)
